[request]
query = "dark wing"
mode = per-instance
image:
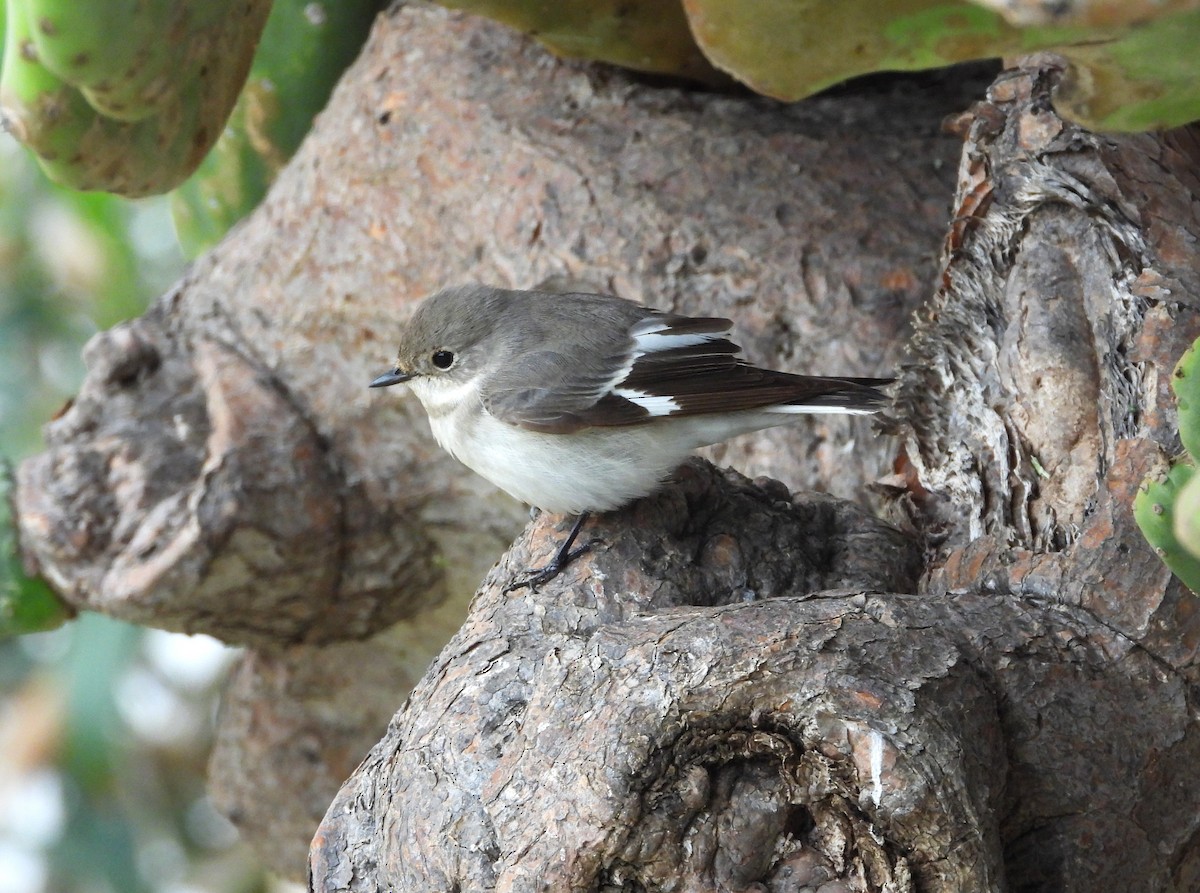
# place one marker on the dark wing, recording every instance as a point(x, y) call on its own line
point(659, 366)
point(732, 385)
point(579, 381)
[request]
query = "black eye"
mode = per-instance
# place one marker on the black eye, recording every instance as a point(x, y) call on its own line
point(443, 359)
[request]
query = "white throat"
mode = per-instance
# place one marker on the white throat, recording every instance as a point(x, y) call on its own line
point(442, 396)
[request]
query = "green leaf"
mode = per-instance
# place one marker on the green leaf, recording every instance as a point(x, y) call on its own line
point(27, 604)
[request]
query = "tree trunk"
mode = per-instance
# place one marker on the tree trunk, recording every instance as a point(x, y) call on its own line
point(736, 688)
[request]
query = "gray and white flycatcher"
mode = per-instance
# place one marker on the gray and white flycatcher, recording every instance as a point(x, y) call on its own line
point(578, 403)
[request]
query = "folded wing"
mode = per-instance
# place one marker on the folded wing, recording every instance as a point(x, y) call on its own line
point(662, 366)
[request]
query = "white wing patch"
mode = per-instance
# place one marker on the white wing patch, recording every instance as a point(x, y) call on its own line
point(658, 337)
point(622, 374)
point(655, 404)
point(651, 336)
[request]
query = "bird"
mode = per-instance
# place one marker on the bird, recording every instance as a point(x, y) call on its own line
point(579, 403)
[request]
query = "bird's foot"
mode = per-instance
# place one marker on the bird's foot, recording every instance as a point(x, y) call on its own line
point(535, 578)
point(564, 556)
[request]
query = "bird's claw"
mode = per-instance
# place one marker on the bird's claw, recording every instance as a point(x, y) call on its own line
point(535, 578)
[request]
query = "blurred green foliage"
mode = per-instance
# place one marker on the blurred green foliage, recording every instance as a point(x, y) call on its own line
point(27, 603)
point(1167, 506)
point(88, 802)
point(70, 264)
point(67, 268)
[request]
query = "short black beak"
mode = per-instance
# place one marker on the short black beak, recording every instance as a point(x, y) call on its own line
point(396, 376)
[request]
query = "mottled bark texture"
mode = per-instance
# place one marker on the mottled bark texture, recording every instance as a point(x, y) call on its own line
point(224, 448)
point(736, 689)
point(748, 694)
point(224, 468)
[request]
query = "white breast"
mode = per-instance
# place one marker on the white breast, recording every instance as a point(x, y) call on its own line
point(593, 470)
point(596, 469)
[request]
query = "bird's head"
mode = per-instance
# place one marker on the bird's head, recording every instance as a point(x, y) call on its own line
point(447, 339)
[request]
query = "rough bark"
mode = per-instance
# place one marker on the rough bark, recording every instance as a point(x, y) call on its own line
point(619, 731)
point(225, 470)
point(736, 689)
point(227, 439)
point(650, 719)
point(1021, 718)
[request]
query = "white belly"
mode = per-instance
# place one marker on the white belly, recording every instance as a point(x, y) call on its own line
point(596, 469)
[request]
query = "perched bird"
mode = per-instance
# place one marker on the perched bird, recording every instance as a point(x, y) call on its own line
point(578, 403)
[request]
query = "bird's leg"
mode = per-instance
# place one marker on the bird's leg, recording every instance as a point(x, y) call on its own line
point(564, 556)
